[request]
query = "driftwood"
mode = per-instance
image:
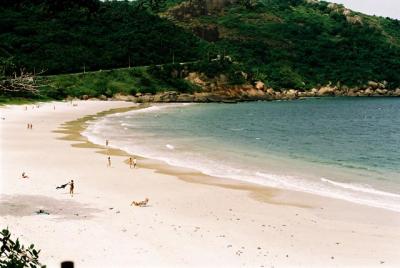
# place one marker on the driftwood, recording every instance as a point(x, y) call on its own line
point(24, 83)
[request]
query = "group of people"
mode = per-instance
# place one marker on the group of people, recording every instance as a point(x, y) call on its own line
point(132, 161)
point(29, 126)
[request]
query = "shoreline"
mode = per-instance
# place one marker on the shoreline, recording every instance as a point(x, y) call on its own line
point(286, 216)
point(196, 175)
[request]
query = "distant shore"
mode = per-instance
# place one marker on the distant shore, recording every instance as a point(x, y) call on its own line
point(188, 222)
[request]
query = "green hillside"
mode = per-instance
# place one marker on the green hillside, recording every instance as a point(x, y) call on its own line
point(64, 36)
point(297, 44)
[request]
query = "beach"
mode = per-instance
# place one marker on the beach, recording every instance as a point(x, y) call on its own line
point(191, 219)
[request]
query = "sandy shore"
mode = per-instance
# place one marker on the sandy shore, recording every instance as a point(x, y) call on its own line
point(191, 219)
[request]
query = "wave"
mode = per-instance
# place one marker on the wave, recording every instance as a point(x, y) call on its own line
point(359, 188)
point(169, 146)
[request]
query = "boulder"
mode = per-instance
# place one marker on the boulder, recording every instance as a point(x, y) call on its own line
point(103, 97)
point(185, 98)
point(270, 91)
point(324, 91)
point(381, 91)
point(122, 97)
point(200, 97)
point(291, 94)
point(368, 92)
point(397, 92)
point(259, 85)
point(373, 84)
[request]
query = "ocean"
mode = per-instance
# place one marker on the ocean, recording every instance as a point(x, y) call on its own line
point(345, 148)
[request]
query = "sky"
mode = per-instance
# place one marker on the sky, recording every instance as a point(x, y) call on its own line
point(384, 8)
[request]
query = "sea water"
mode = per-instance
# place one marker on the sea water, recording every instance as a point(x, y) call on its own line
point(346, 148)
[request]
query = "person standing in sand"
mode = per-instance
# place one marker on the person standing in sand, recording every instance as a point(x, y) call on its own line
point(130, 162)
point(71, 188)
point(134, 162)
point(106, 142)
point(109, 161)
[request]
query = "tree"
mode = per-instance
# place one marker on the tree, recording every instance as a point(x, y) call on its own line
point(13, 254)
point(154, 5)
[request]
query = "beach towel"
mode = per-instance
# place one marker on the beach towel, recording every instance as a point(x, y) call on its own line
point(62, 186)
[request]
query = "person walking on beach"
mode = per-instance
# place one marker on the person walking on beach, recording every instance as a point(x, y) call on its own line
point(106, 142)
point(130, 162)
point(71, 188)
point(134, 162)
point(109, 161)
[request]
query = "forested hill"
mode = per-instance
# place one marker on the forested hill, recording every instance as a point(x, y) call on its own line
point(62, 36)
point(284, 43)
point(298, 43)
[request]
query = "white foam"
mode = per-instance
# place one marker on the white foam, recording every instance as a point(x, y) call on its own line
point(365, 188)
point(169, 146)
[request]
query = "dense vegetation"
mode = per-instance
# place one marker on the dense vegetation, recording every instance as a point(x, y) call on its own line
point(130, 81)
point(302, 44)
point(63, 36)
point(285, 43)
point(14, 254)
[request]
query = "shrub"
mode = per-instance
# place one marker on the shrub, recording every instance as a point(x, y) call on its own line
point(13, 254)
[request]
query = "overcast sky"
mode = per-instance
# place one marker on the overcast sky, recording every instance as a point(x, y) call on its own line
point(385, 8)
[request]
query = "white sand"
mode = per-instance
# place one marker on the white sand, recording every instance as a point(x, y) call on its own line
point(185, 224)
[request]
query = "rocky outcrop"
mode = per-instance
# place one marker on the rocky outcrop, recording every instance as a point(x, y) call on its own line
point(219, 91)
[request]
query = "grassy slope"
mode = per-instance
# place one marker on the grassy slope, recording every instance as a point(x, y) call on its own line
point(108, 82)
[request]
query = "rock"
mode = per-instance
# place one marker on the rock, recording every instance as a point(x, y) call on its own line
point(291, 94)
point(352, 92)
point(368, 92)
point(103, 97)
point(324, 91)
point(259, 85)
point(122, 97)
point(169, 96)
point(200, 97)
point(215, 97)
point(381, 91)
point(42, 211)
point(373, 84)
point(85, 97)
point(185, 98)
point(145, 98)
point(397, 92)
point(270, 91)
